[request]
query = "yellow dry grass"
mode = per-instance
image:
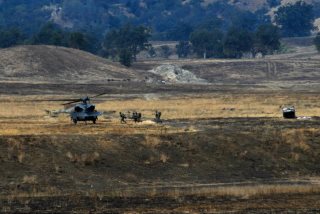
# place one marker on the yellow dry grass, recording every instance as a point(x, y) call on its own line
point(218, 105)
point(297, 137)
point(26, 118)
point(241, 191)
point(18, 117)
point(192, 106)
point(258, 190)
point(216, 190)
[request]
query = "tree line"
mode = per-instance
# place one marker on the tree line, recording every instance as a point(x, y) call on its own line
point(209, 39)
point(232, 44)
point(49, 34)
point(125, 43)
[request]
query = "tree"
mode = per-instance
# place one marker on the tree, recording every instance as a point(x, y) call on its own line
point(78, 40)
point(181, 31)
point(273, 3)
point(134, 7)
point(165, 51)
point(237, 42)
point(174, 18)
point(245, 20)
point(206, 43)
point(139, 40)
point(50, 34)
point(183, 49)
point(266, 39)
point(295, 19)
point(125, 57)
point(10, 37)
point(211, 24)
point(110, 45)
point(317, 42)
point(128, 39)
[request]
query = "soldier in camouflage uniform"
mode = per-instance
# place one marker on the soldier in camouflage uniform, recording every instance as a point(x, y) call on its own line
point(123, 117)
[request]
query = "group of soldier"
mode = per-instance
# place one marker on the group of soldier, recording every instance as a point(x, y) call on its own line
point(137, 117)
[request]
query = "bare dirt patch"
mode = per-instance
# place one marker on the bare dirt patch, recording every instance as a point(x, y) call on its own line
point(175, 74)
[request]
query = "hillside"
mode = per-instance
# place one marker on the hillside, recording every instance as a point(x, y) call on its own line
point(300, 66)
point(222, 145)
point(57, 64)
point(98, 17)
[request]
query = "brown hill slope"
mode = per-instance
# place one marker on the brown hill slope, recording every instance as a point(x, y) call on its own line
point(57, 64)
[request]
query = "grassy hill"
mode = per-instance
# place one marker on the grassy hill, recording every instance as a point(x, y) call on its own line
point(57, 64)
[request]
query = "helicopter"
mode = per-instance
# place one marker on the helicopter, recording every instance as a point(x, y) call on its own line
point(84, 111)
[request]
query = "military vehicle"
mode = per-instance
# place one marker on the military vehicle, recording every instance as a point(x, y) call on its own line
point(289, 112)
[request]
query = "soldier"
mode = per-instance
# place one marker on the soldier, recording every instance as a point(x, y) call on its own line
point(123, 117)
point(158, 117)
point(139, 117)
point(135, 116)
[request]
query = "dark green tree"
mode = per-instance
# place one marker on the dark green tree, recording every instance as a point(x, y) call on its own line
point(139, 39)
point(183, 49)
point(78, 40)
point(317, 42)
point(295, 19)
point(211, 24)
point(111, 46)
point(128, 39)
point(125, 57)
point(266, 39)
point(237, 42)
point(181, 31)
point(50, 34)
point(10, 37)
point(207, 43)
point(245, 20)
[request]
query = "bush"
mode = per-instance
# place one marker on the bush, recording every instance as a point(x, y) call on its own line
point(317, 42)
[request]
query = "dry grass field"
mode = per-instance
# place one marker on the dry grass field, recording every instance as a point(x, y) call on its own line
point(31, 115)
point(215, 152)
point(222, 147)
point(191, 106)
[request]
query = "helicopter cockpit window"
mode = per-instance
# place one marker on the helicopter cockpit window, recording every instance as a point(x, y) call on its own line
point(78, 109)
point(91, 108)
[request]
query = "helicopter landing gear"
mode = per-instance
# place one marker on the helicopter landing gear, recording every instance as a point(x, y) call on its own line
point(94, 121)
point(75, 121)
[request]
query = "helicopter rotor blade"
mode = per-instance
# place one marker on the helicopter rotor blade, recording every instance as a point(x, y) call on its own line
point(53, 100)
point(99, 95)
point(69, 101)
point(74, 101)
